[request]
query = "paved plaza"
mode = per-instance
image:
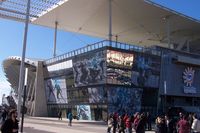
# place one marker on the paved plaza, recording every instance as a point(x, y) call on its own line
point(53, 125)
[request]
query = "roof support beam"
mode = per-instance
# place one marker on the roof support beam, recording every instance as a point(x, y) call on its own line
point(55, 39)
point(17, 12)
point(188, 46)
point(110, 22)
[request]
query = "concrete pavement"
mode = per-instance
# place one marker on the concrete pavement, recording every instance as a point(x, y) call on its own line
point(53, 125)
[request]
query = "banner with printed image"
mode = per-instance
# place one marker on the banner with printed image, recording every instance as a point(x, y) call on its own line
point(84, 112)
point(56, 90)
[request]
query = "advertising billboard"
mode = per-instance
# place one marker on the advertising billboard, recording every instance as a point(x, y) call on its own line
point(118, 76)
point(90, 69)
point(84, 112)
point(146, 71)
point(56, 91)
point(97, 95)
point(124, 100)
point(119, 59)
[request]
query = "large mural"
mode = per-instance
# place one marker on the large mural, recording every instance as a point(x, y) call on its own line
point(90, 70)
point(118, 76)
point(56, 91)
point(124, 100)
point(97, 95)
point(84, 112)
point(119, 59)
point(146, 71)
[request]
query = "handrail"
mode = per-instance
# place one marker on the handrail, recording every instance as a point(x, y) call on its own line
point(102, 44)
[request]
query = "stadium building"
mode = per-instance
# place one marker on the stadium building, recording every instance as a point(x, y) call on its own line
point(99, 79)
point(111, 76)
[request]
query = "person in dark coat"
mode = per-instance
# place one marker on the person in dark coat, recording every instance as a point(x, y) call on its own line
point(11, 124)
point(115, 121)
point(161, 125)
point(121, 124)
point(60, 115)
point(149, 121)
point(171, 124)
point(4, 115)
point(141, 124)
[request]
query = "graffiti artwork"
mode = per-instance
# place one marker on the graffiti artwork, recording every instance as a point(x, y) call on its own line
point(90, 70)
point(84, 112)
point(97, 95)
point(118, 76)
point(56, 91)
point(124, 100)
point(146, 71)
point(119, 59)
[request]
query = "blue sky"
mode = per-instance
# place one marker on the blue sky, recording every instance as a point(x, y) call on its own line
point(40, 39)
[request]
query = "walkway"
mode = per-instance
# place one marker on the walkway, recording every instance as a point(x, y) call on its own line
point(53, 125)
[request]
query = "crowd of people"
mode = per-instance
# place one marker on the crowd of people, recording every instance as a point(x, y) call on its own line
point(186, 123)
point(141, 122)
point(125, 123)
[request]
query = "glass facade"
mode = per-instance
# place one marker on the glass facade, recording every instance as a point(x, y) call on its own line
point(101, 82)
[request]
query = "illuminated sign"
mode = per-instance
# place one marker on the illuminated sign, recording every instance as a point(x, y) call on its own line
point(119, 59)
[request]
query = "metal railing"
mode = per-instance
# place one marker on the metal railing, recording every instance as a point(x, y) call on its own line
point(102, 44)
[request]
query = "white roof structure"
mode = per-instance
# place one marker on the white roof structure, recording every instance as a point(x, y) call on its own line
point(133, 21)
point(11, 68)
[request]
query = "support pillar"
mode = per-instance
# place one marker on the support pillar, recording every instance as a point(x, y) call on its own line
point(40, 104)
point(168, 32)
point(188, 46)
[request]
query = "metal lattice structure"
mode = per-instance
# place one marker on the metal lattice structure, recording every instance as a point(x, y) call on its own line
point(16, 9)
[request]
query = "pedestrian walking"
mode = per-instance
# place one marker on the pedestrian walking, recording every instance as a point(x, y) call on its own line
point(148, 116)
point(4, 115)
point(161, 125)
point(171, 124)
point(110, 123)
point(60, 115)
point(70, 117)
point(115, 122)
point(141, 124)
point(128, 125)
point(195, 125)
point(183, 125)
point(121, 124)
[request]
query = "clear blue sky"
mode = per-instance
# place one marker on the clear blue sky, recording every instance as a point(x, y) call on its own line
point(40, 39)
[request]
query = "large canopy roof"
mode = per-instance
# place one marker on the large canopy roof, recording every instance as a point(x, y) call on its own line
point(133, 21)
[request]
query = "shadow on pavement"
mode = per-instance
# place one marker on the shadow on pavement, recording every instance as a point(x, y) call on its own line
point(32, 130)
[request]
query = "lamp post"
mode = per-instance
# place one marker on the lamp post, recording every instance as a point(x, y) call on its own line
point(21, 75)
point(24, 100)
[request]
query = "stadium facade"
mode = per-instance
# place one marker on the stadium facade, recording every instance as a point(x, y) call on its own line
point(103, 78)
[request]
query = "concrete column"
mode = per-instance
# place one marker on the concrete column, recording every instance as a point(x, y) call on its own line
point(40, 106)
point(188, 46)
